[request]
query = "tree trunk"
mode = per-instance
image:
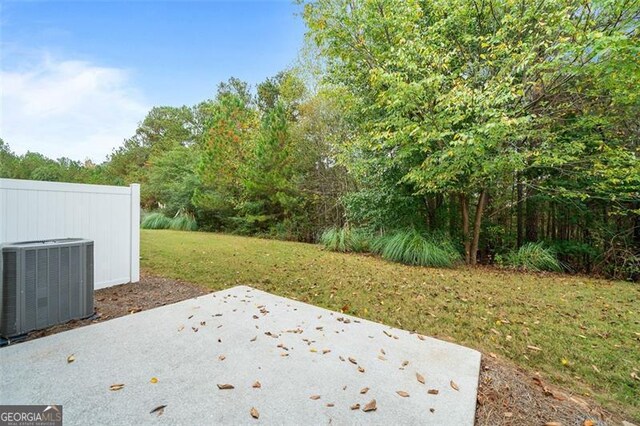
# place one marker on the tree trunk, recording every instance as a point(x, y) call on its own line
point(476, 227)
point(519, 213)
point(464, 208)
point(532, 216)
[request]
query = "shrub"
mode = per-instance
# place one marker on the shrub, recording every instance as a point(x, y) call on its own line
point(533, 257)
point(346, 240)
point(413, 248)
point(183, 222)
point(155, 221)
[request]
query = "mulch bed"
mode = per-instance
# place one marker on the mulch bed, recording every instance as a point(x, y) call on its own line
point(506, 395)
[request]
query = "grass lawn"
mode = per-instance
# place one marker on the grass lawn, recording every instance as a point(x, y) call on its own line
point(580, 333)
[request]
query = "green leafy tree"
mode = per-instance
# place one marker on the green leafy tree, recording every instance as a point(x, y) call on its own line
point(465, 95)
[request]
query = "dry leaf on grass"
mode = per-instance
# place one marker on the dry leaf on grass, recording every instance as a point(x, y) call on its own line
point(314, 397)
point(420, 378)
point(116, 387)
point(225, 386)
point(254, 413)
point(454, 385)
point(553, 424)
point(70, 359)
point(159, 409)
point(256, 385)
point(403, 394)
point(371, 406)
point(364, 390)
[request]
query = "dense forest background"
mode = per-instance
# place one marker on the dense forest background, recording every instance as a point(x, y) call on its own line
point(500, 130)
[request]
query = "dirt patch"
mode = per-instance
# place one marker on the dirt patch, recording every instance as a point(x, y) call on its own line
point(506, 395)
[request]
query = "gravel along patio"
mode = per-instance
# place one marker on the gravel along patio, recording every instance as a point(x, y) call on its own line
point(243, 356)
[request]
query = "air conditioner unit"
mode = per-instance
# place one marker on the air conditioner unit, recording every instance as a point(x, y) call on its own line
point(44, 283)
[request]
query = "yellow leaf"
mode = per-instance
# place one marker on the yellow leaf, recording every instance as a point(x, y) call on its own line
point(154, 380)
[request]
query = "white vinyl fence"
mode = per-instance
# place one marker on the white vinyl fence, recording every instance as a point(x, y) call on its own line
point(108, 215)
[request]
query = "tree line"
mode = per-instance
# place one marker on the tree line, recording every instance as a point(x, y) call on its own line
point(483, 126)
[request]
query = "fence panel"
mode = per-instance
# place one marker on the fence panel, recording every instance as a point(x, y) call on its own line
point(108, 215)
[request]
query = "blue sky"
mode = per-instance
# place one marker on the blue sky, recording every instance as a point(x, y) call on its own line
point(78, 76)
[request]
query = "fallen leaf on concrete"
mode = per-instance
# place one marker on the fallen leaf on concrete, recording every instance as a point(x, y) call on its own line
point(360, 369)
point(116, 387)
point(383, 352)
point(341, 358)
point(314, 397)
point(371, 406)
point(331, 404)
point(454, 385)
point(403, 394)
point(326, 351)
point(381, 358)
point(254, 339)
point(225, 386)
point(256, 385)
point(420, 378)
point(154, 380)
point(364, 390)
point(352, 360)
point(355, 407)
point(588, 422)
point(421, 337)
point(405, 363)
point(159, 409)
point(433, 391)
point(254, 413)
point(222, 358)
point(70, 359)
point(534, 348)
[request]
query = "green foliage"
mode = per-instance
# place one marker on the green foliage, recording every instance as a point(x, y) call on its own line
point(180, 222)
point(155, 221)
point(533, 257)
point(346, 239)
point(414, 248)
point(183, 222)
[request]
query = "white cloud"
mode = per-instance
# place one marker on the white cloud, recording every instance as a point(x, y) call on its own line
point(68, 109)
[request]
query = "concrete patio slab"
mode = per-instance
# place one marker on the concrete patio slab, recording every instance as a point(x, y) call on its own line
point(240, 336)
